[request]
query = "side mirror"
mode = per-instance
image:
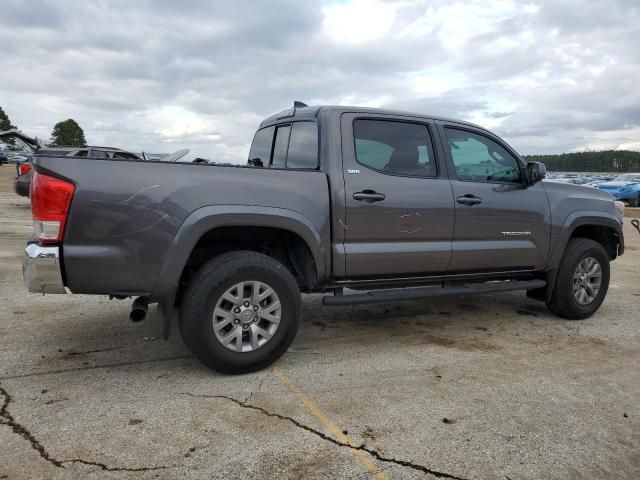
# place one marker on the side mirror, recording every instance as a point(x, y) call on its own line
point(537, 171)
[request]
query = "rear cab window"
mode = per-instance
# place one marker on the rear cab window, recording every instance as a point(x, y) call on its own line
point(293, 145)
point(280, 146)
point(303, 146)
point(260, 153)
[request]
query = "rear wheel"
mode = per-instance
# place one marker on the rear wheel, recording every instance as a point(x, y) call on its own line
point(582, 281)
point(240, 312)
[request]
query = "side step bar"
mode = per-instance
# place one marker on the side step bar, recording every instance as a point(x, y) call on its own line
point(399, 294)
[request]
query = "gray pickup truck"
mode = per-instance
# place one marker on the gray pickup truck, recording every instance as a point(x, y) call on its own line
point(388, 205)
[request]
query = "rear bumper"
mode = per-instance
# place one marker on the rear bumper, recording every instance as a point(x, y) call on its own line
point(41, 269)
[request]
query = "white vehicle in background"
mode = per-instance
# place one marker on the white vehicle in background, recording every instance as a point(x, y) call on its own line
point(571, 180)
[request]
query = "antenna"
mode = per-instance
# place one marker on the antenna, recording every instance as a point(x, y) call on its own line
point(297, 104)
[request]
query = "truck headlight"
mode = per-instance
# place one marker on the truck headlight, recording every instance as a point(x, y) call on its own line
point(620, 209)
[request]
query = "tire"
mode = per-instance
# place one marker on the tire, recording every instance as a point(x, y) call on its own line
point(635, 202)
point(208, 291)
point(563, 301)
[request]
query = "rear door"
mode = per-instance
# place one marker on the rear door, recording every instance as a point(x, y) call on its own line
point(399, 206)
point(501, 223)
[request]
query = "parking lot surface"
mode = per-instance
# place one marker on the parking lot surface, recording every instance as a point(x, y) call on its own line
point(480, 387)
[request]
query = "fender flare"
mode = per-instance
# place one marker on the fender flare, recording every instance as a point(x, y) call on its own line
point(578, 219)
point(208, 218)
point(573, 221)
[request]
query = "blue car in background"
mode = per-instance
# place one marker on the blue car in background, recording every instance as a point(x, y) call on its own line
point(624, 187)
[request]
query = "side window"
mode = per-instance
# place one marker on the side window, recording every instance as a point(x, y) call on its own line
point(98, 154)
point(81, 153)
point(124, 155)
point(280, 146)
point(303, 146)
point(260, 152)
point(373, 154)
point(477, 158)
point(398, 148)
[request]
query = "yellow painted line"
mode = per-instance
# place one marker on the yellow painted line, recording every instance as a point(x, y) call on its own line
point(363, 457)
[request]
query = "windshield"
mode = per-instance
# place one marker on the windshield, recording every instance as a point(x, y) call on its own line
point(628, 177)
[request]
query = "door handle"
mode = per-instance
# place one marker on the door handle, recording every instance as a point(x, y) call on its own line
point(369, 196)
point(469, 200)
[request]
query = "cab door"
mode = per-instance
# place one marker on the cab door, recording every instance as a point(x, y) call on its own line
point(501, 222)
point(398, 216)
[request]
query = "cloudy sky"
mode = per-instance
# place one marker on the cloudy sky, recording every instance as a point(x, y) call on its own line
point(160, 75)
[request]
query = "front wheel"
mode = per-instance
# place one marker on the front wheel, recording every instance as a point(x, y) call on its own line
point(635, 201)
point(240, 313)
point(582, 281)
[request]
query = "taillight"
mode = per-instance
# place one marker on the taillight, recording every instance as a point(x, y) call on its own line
point(50, 202)
point(24, 168)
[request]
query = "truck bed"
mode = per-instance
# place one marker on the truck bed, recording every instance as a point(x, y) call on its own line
point(125, 214)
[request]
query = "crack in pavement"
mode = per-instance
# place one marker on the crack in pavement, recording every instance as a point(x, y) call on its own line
point(107, 468)
point(7, 419)
point(73, 353)
point(95, 367)
point(375, 454)
point(250, 396)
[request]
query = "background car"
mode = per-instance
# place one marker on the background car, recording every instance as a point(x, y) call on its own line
point(625, 187)
point(25, 171)
point(15, 158)
point(571, 180)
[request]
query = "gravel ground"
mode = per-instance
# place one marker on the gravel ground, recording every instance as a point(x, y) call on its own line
point(482, 387)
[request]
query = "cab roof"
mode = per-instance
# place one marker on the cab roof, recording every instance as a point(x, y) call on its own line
point(312, 112)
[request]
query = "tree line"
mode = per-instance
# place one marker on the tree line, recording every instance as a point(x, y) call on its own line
point(66, 132)
point(604, 161)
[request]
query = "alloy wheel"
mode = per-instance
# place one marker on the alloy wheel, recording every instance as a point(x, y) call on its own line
point(247, 316)
point(587, 280)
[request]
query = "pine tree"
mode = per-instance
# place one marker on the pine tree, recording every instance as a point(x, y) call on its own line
point(68, 132)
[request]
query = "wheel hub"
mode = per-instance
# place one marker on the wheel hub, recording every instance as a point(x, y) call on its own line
point(246, 316)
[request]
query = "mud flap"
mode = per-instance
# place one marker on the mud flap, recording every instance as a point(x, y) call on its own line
point(544, 294)
point(167, 314)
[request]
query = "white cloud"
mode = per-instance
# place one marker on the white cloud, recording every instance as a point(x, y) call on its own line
point(433, 84)
point(358, 21)
point(456, 22)
point(550, 76)
point(173, 122)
